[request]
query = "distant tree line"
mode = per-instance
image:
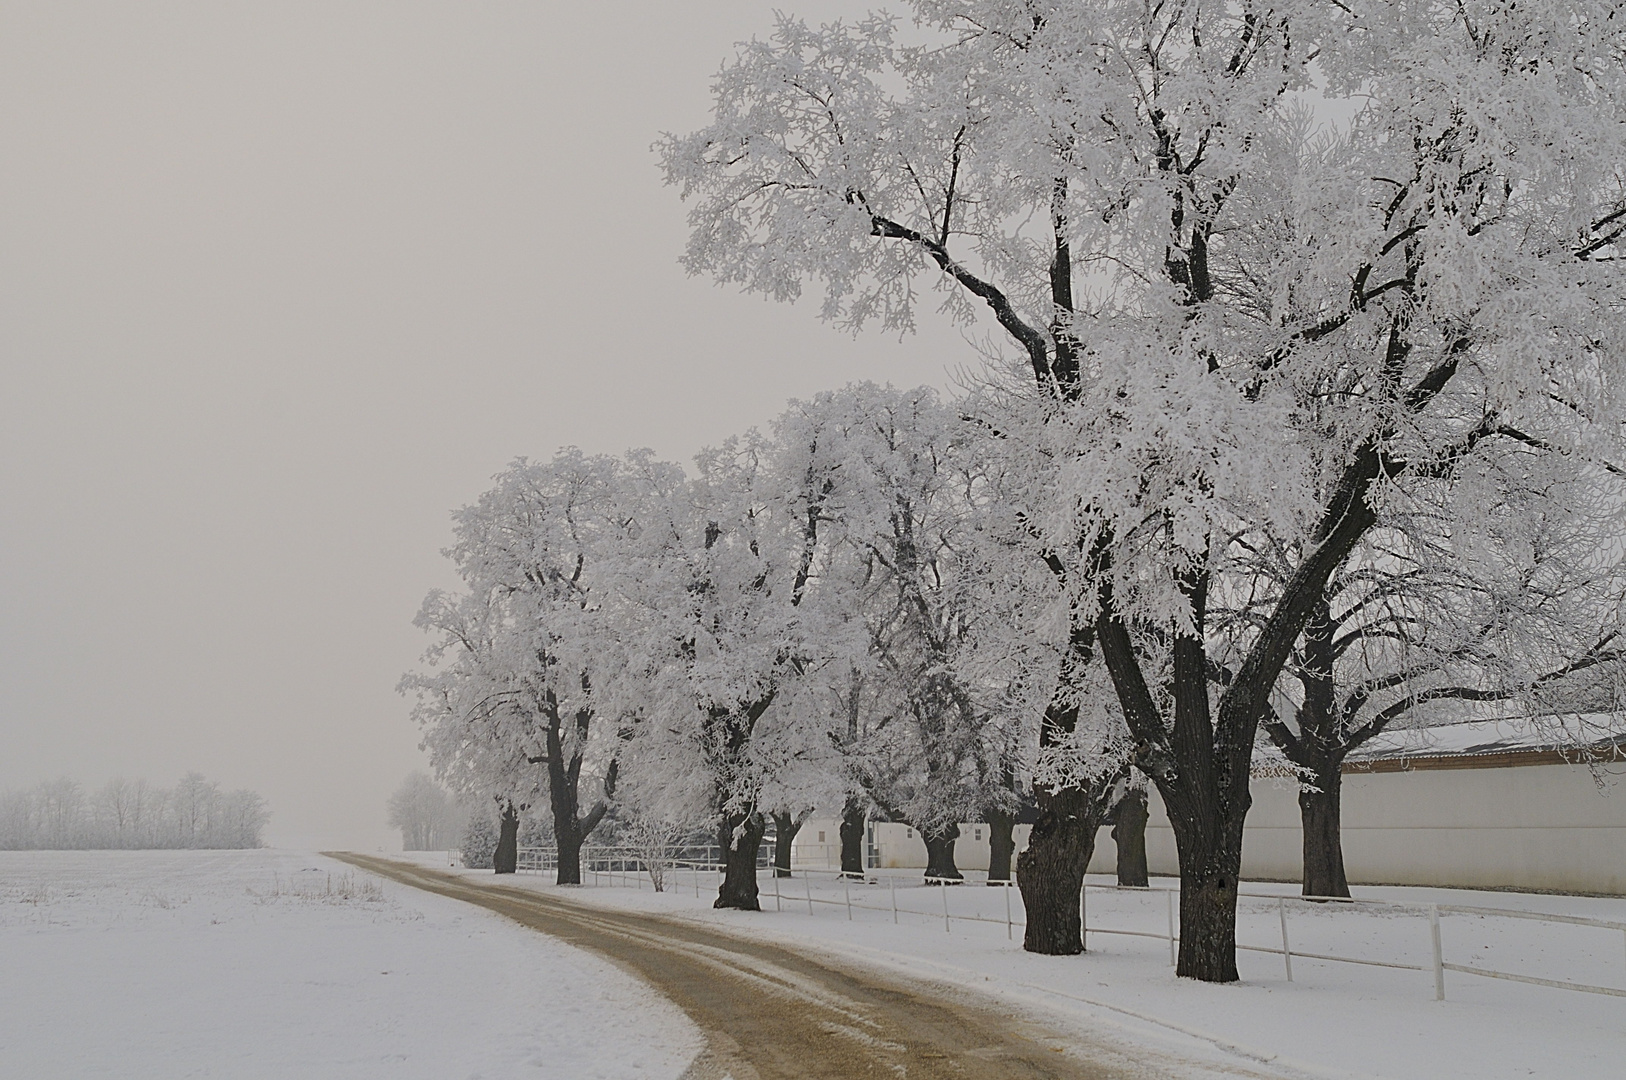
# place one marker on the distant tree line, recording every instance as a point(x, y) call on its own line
point(195, 813)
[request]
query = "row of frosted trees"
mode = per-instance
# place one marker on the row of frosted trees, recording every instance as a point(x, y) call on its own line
point(195, 813)
point(855, 614)
point(840, 615)
point(1301, 419)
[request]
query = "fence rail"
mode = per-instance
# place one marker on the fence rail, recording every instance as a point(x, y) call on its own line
point(685, 867)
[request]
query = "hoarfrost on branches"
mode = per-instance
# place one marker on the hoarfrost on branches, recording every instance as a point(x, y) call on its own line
point(1238, 323)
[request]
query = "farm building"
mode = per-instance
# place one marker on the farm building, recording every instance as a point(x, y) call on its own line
point(1499, 803)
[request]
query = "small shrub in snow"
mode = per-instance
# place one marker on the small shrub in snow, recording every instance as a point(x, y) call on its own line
point(346, 887)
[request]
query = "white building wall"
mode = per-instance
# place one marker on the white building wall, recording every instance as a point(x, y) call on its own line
point(1524, 827)
point(818, 846)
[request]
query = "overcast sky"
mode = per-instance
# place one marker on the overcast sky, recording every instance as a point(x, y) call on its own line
point(282, 284)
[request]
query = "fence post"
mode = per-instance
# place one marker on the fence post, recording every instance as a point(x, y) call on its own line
point(892, 883)
point(777, 904)
point(1007, 911)
point(847, 893)
point(1168, 895)
point(807, 887)
point(1083, 914)
point(1439, 959)
point(1287, 952)
point(944, 886)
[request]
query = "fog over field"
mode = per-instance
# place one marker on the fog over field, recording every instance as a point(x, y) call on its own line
point(282, 285)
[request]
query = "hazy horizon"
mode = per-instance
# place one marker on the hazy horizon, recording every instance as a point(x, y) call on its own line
point(283, 286)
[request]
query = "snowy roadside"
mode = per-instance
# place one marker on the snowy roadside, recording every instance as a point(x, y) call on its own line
point(283, 964)
point(1333, 1020)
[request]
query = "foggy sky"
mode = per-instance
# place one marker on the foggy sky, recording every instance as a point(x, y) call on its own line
point(283, 284)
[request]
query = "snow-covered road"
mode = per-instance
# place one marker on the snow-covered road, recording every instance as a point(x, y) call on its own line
point(1334, 1022)
point(279, 964)
point(770, 1012)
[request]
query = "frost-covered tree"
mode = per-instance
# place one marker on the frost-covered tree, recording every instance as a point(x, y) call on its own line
point(711, 574)
point(508, 700)
point(1138, 196)
point(906, 517)
point(1506, 585)
point(428, 818)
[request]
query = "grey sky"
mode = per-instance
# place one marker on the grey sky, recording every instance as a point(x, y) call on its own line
point(280, 285)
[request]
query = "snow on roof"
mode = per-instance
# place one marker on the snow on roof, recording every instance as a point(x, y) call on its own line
point(1575, 732)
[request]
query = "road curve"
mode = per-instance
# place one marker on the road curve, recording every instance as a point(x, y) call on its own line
point(770, 1012)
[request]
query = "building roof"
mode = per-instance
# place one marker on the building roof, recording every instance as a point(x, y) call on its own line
point(1496, 742)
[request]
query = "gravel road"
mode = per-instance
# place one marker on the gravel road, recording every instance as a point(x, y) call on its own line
point(770, 1012)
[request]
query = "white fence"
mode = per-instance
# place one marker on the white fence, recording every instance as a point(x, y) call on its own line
point(695, 870)
point(619, 863)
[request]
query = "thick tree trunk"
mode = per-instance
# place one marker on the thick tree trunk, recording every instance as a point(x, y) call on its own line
point(569, 847)
point(940, 868)
point(1210, 859)
point(785, 828)
point(1201, 769)
point(741, 839)
point(505, 860)
point(1322, 817)
point(1129, 834)
point(1050, 871)
point(1208, 927)
point(567, 832)
point(852, 839)
point(570, 829)
point(1001, 844)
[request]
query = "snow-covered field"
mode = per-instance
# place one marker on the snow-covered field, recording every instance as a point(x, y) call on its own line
point(273, 964)
point(279, 964)
point(1333, 1020)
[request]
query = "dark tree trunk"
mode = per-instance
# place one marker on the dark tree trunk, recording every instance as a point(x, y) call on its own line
point(1129, 834)
point(505, 860)
point(741, 839)
point(1001, 844)
point(785, 828)
point(1318, 748)
point(940, 855)
point(1050, 870)
point(562, 800)
point(852, 838)
point(1208, 927)
point(739, 832)
point(1323, 841)
point(570, 829)
point(1201, 768)
point(1210, 850)
point(569, 870)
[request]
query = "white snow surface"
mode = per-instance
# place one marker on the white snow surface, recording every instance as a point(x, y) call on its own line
point(246, 964)
point(1495, 734)
point(1334, 1020)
